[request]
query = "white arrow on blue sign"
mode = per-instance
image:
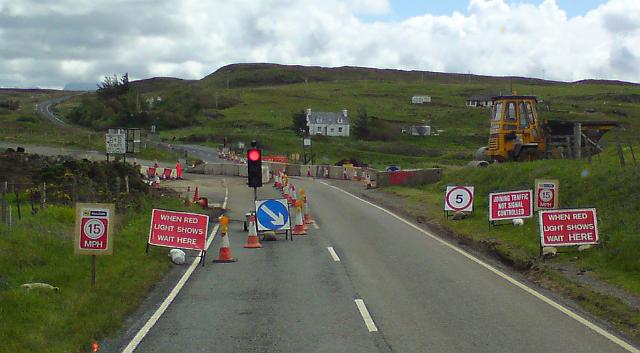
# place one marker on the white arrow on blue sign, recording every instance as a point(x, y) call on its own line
point(272, 214)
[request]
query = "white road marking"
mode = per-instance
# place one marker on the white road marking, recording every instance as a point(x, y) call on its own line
point(174, 292)
point(611, 337)
point(333, 254)
point(371, 326)
point(315, 225)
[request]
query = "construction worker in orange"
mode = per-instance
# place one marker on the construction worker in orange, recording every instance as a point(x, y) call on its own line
point(178, 170)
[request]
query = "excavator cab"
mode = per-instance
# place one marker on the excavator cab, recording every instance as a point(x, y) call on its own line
point(515, 132)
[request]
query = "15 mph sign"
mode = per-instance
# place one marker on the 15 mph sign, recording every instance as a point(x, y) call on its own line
point(510, 205)
point(178, 229)
point(459, 199)
point(93, 229)
point(568, 227)
point(546, 194)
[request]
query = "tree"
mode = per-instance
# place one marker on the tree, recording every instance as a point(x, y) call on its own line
point(112, 87)
point(300, 122)
point(361, 127)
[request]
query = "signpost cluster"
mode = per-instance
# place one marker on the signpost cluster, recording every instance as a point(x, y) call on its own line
point(557, 227)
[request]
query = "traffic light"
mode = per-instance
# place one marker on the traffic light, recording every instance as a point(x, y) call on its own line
point(254, 163)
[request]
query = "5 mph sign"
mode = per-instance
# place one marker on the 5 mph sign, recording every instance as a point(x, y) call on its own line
point(459, 199)
point(93, 229)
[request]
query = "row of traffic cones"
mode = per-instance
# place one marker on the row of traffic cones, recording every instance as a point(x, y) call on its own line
point(302, 217)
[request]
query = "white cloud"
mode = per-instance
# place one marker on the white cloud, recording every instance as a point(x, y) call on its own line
point(191, 38)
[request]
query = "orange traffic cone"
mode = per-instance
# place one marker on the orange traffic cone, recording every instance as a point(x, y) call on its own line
point(253, 242)
point(307, 214)
point(196, 195)
point(224, 255)
point(298, 229)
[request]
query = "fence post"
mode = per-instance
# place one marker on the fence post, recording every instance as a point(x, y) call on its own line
point(5, 205)
point(43, 196)
point(633, 155)
point(126, 184)
point(620, 154)
point(17, 192)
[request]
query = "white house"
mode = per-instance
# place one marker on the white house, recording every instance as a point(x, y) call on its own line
point(328, 123)
point(420, 99)
point(417, 130)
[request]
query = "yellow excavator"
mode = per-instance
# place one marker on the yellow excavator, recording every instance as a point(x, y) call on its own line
point(517, 134)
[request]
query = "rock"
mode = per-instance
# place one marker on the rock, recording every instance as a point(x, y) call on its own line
point(518, 222)
point(584, 247)
point(39, 286)
point(459, 216)
point(549, 251)
point(177, 256)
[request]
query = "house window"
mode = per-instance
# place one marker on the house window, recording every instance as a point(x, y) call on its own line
point(339, 120)
point(339, 129)
point(332, 129)
point(319, 128)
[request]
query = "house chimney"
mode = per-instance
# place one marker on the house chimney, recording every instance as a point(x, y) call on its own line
point(308, 111)
point(345, 113)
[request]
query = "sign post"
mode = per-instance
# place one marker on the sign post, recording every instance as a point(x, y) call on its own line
point(568, 227)
point(458, 199)
point(182, 230)
point(510, 205)
point(546, 194)
point(93, 232)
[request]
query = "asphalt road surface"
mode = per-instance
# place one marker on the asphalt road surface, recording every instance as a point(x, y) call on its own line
point(44, 109)
point(421, 295)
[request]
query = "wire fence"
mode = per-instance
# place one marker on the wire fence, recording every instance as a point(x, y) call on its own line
point(20, 199)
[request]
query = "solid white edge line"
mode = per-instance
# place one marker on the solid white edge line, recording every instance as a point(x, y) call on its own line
point(133, 344)
point(561, 308)
point(333, 253)
point(371, 326)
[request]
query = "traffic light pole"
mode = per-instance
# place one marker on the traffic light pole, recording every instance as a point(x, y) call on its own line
point(255, 194)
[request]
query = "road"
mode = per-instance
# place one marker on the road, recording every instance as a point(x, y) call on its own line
point(44, 109)
point(422, 294)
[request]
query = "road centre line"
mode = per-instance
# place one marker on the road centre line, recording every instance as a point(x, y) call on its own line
point(371, 326)
point(174, 292)
point(333, 253)
point(611, 337)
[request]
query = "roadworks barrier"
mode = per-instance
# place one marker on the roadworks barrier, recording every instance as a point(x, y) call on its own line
point(369, 177)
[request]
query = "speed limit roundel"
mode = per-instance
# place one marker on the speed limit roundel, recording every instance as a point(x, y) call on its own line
point(459, 199)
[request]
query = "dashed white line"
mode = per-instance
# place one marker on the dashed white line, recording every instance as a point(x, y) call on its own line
point(315, 225)
point(371, 326)
point(333, 253)
point(611, 337)
point(174, 292)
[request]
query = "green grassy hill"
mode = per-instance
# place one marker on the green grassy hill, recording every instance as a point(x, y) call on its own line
point(257, 101)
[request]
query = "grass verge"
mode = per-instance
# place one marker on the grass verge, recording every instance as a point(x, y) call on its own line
point(39, 249)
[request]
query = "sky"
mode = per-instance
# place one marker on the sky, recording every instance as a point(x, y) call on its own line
point(48, 43)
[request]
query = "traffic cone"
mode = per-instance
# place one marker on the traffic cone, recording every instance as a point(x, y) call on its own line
point(276, 180)
point(307, 215)
point(368, 181)
point(196, 195)
point(253, 242)
point(344, 174)
point(224, 255)
point(298, 229)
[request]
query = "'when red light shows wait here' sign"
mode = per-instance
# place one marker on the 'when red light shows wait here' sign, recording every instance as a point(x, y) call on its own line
point(568, 227)
point(178, 229)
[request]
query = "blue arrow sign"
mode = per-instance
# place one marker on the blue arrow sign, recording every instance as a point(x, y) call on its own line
point(272, 214)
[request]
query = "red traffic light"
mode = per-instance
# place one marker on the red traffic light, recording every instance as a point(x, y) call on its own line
point(253, 155)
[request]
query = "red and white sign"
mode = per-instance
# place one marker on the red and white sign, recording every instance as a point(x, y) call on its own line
point(178, 229)
point(510, 205)
point(568, 227)
point(93, 229)
point(546, 195)
point(459, 199)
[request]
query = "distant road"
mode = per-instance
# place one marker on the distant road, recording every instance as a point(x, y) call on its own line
point(44, 109)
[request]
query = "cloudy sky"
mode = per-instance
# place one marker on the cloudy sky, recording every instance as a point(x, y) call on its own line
point(48, 43)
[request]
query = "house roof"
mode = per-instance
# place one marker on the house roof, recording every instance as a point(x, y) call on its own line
point(328, 118)
point(487, 97)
